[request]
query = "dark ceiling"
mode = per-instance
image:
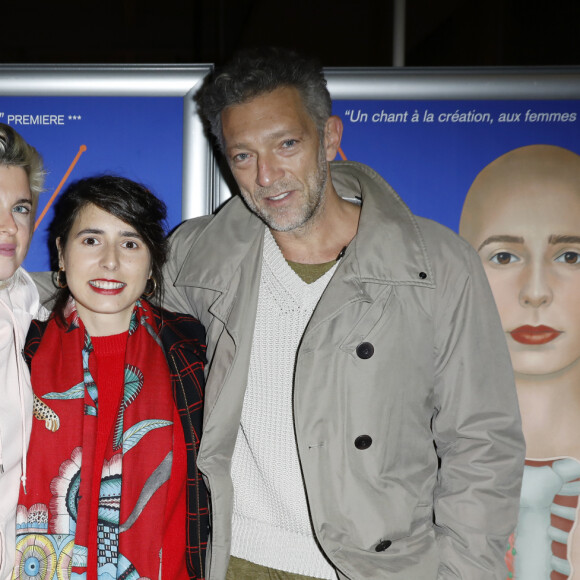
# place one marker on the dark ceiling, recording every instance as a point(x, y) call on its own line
point(339, 32)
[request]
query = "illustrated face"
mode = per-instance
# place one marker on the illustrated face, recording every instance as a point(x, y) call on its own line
point(528, 237)
point(275, 154)
point(107, 265)
point(15, 219)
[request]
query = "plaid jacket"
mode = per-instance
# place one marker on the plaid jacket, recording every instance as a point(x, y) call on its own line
point(183, 340)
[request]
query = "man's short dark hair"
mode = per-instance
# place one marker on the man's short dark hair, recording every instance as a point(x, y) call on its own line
point(260, 71)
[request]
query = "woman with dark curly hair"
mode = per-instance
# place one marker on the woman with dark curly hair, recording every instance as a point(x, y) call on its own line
point(113, 489)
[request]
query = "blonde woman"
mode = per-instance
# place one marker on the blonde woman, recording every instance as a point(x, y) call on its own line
point(21, 180)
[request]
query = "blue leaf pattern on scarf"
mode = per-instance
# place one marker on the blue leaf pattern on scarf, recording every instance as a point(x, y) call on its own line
point(133, 384)
point(76, 392)
point(134, 434)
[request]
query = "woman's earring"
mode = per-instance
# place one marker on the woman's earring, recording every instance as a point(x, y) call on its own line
point(152, 291)
point(59, 279)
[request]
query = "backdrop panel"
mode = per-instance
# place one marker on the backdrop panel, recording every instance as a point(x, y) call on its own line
point(138, 121)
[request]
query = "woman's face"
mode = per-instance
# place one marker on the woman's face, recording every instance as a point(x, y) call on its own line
point(528, 238)
point(107, 265)
point(15, 219)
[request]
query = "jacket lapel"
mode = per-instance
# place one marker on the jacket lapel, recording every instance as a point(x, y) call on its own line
point(230, 268)
point(388, 248)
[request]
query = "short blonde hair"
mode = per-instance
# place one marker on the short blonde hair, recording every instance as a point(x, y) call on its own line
point(16, 152)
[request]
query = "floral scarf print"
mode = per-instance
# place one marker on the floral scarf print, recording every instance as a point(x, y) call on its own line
point(138, 486)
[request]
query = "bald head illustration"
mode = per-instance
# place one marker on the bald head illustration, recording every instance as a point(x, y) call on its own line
point(522, 215)
point(528, 176)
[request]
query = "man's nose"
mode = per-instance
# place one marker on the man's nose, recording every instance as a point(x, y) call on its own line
point(268, 171)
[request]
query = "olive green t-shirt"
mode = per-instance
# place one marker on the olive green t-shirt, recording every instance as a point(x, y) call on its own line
point(311, 272)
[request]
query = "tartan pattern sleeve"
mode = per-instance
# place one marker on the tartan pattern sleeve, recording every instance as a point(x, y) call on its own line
point(183, 340)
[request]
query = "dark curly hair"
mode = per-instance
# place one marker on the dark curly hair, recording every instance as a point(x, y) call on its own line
point(258, 71)
point(128, 201)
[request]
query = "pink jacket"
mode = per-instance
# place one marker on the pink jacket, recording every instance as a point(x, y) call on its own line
point(19, 303)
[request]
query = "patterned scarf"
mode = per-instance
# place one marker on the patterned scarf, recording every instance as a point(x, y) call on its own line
point(134, 505)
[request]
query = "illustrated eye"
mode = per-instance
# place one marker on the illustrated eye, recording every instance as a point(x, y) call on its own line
point(25, 209)
point(131, 245)
point(90, 241)
point(503, 258)
point(569, 258)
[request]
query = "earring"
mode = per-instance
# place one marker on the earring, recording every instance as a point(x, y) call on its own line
point(59, 283)
point(153, 290)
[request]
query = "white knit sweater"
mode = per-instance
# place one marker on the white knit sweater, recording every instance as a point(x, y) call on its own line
point(271, 524)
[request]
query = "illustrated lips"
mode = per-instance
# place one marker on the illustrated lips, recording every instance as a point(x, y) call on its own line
point(534, 334)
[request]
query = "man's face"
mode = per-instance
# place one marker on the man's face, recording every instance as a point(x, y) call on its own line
point(526, 229)
point(276, 156)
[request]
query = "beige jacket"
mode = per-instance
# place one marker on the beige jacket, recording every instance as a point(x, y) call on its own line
point(402, 366)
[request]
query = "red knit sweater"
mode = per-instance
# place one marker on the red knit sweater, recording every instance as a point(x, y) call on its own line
point(110, 355)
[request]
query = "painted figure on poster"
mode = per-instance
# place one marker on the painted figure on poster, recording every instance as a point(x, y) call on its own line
point(522, 215)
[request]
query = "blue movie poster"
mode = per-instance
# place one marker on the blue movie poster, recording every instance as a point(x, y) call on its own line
point(430, 151)
point(506, 175)
point(137, 137)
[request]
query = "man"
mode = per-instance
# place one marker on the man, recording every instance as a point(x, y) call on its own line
point(352, 347)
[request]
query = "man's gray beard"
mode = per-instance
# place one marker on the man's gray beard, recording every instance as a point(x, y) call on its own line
point(313, 204)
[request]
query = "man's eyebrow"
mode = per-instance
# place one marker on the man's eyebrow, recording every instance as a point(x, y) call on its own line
point(273, 135)
point(503, 238)
point(24, 200)
point(563, 239)
point(284, 133)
